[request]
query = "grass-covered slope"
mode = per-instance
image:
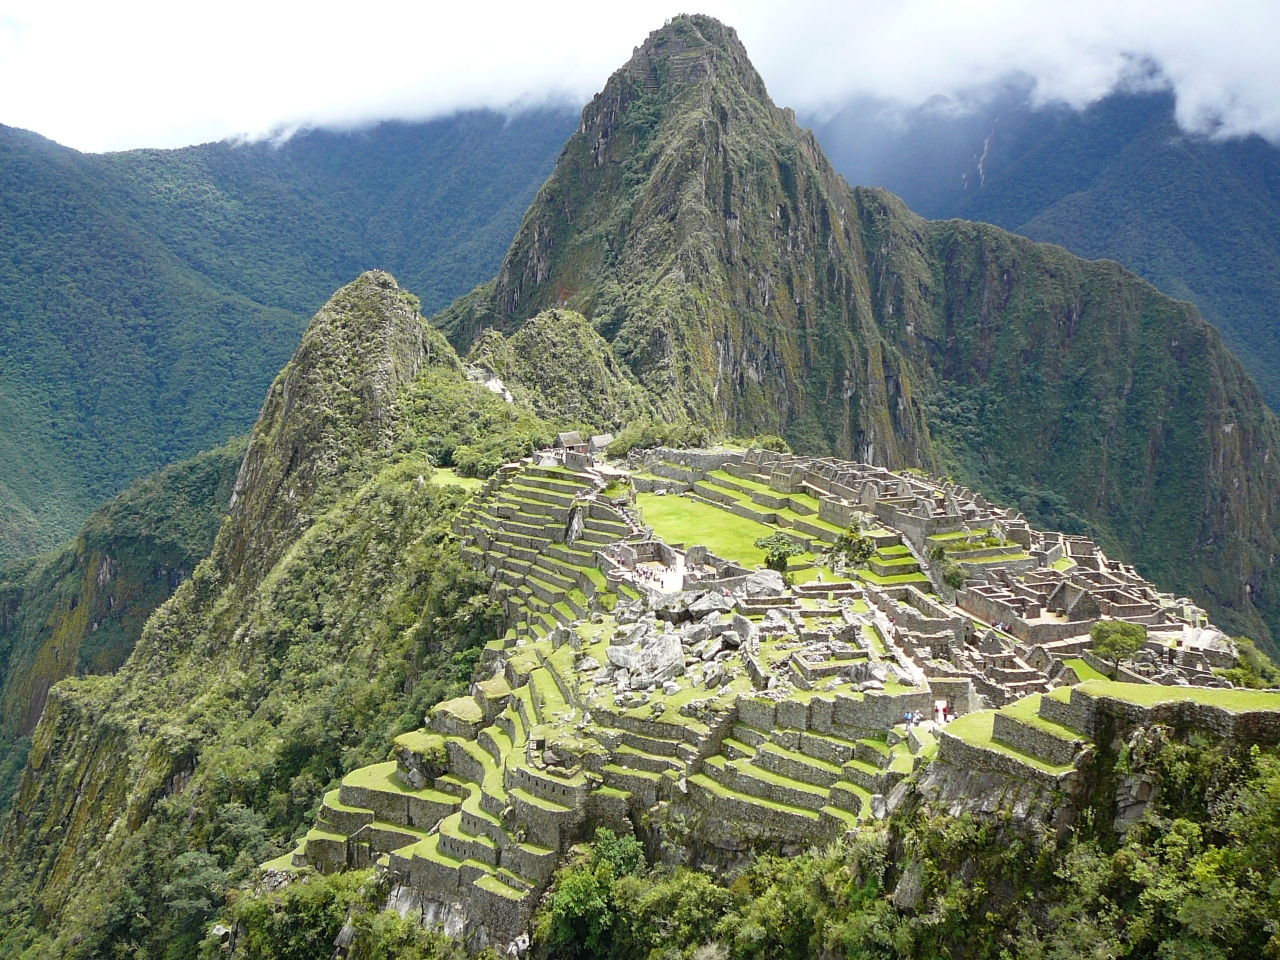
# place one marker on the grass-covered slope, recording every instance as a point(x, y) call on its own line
point(332, 610)
point(147, 298)
point(80, 609)
point(748, 287)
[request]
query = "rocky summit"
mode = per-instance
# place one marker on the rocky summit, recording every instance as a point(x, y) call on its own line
point(751, 569)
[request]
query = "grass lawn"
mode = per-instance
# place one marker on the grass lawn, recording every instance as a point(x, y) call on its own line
point(1084, 671)
point(447, 475)
point(727, 535)
point(1148, 695)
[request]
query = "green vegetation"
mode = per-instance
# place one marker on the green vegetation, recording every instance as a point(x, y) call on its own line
point(647, 434)
point(1148, 695)
point(81, 609)
point(560, 366)
point(1083, 670)
point(148, 298)
point(853, 547)
point(1184, 883)
point(685, 520)
point(302, 921)
point(1116, 640)
point(1255, 667)
point(319, 628)
point(778, 550)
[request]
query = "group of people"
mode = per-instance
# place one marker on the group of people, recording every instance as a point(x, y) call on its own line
point(940, 715)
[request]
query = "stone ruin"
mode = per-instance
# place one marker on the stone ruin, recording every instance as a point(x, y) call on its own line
point(639, 679)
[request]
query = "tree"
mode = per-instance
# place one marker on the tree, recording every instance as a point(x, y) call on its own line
point(778, 548)
point(854, 547)
point(1117, 640)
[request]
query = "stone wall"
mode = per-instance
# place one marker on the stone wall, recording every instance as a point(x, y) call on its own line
point(1026, 738)
point(960, 755)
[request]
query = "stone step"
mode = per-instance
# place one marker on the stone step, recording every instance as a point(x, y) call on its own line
point(725, 803)
point(873, 752)
point(378, 788)
point(851, 797)
point(343, 818)
point(736, 749)
point(634, 759)
point(461, 845)
point(744, 777)
point(796, 766)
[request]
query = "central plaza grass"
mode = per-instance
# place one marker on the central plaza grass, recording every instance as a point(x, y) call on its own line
point(682, 520)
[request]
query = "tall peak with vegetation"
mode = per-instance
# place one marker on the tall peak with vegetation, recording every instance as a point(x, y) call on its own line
point(710, 242)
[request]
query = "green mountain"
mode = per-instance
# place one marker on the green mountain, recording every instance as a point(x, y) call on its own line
point(79, 610)
point(746, 286)
point(691, 235)
point(1197, 217)
point(147, 298)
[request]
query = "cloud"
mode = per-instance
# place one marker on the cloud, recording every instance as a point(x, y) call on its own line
point(108, 76)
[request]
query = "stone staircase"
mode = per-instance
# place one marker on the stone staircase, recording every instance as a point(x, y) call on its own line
point(536, 530)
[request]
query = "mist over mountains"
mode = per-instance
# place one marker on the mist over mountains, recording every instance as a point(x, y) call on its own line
point(1198, 217)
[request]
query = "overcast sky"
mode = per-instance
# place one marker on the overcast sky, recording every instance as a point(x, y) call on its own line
point(101, 76)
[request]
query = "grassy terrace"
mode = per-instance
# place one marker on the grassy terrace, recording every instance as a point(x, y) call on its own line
point(1027, 710)
point(448, 475)
point(1083, 670)
point(975, 730)
point(1148, 695)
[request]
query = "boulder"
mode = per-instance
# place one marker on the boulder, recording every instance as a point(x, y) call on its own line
point(762, 583)
point(587, 664)
point(743, 627)
point(710, 603)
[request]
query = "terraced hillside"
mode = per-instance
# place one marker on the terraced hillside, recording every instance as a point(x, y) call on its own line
point(646, 680)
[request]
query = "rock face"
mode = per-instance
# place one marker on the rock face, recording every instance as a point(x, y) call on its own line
point(745, 285)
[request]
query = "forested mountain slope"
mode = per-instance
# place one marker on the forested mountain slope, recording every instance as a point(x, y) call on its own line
point(332, 610)
point(1199, 218)
point(748, 287)
point(147, 298)
point(80, 609)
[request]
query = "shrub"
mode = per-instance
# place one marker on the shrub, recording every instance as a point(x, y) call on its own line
point(1254, 669)
point(779, 549)
point(646, 434)
point(853, 547)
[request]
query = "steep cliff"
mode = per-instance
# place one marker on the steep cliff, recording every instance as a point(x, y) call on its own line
point(80, 609)
point(748, 287)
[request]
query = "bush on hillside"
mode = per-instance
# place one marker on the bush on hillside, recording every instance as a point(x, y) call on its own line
point(647, 434)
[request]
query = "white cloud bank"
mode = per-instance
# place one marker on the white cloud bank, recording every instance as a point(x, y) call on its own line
point(101, 76)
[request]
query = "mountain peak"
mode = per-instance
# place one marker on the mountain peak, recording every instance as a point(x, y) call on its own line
point(689, 49)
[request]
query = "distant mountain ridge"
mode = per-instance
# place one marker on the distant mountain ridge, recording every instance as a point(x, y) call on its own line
point(147, 298)
point(1199, 218)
